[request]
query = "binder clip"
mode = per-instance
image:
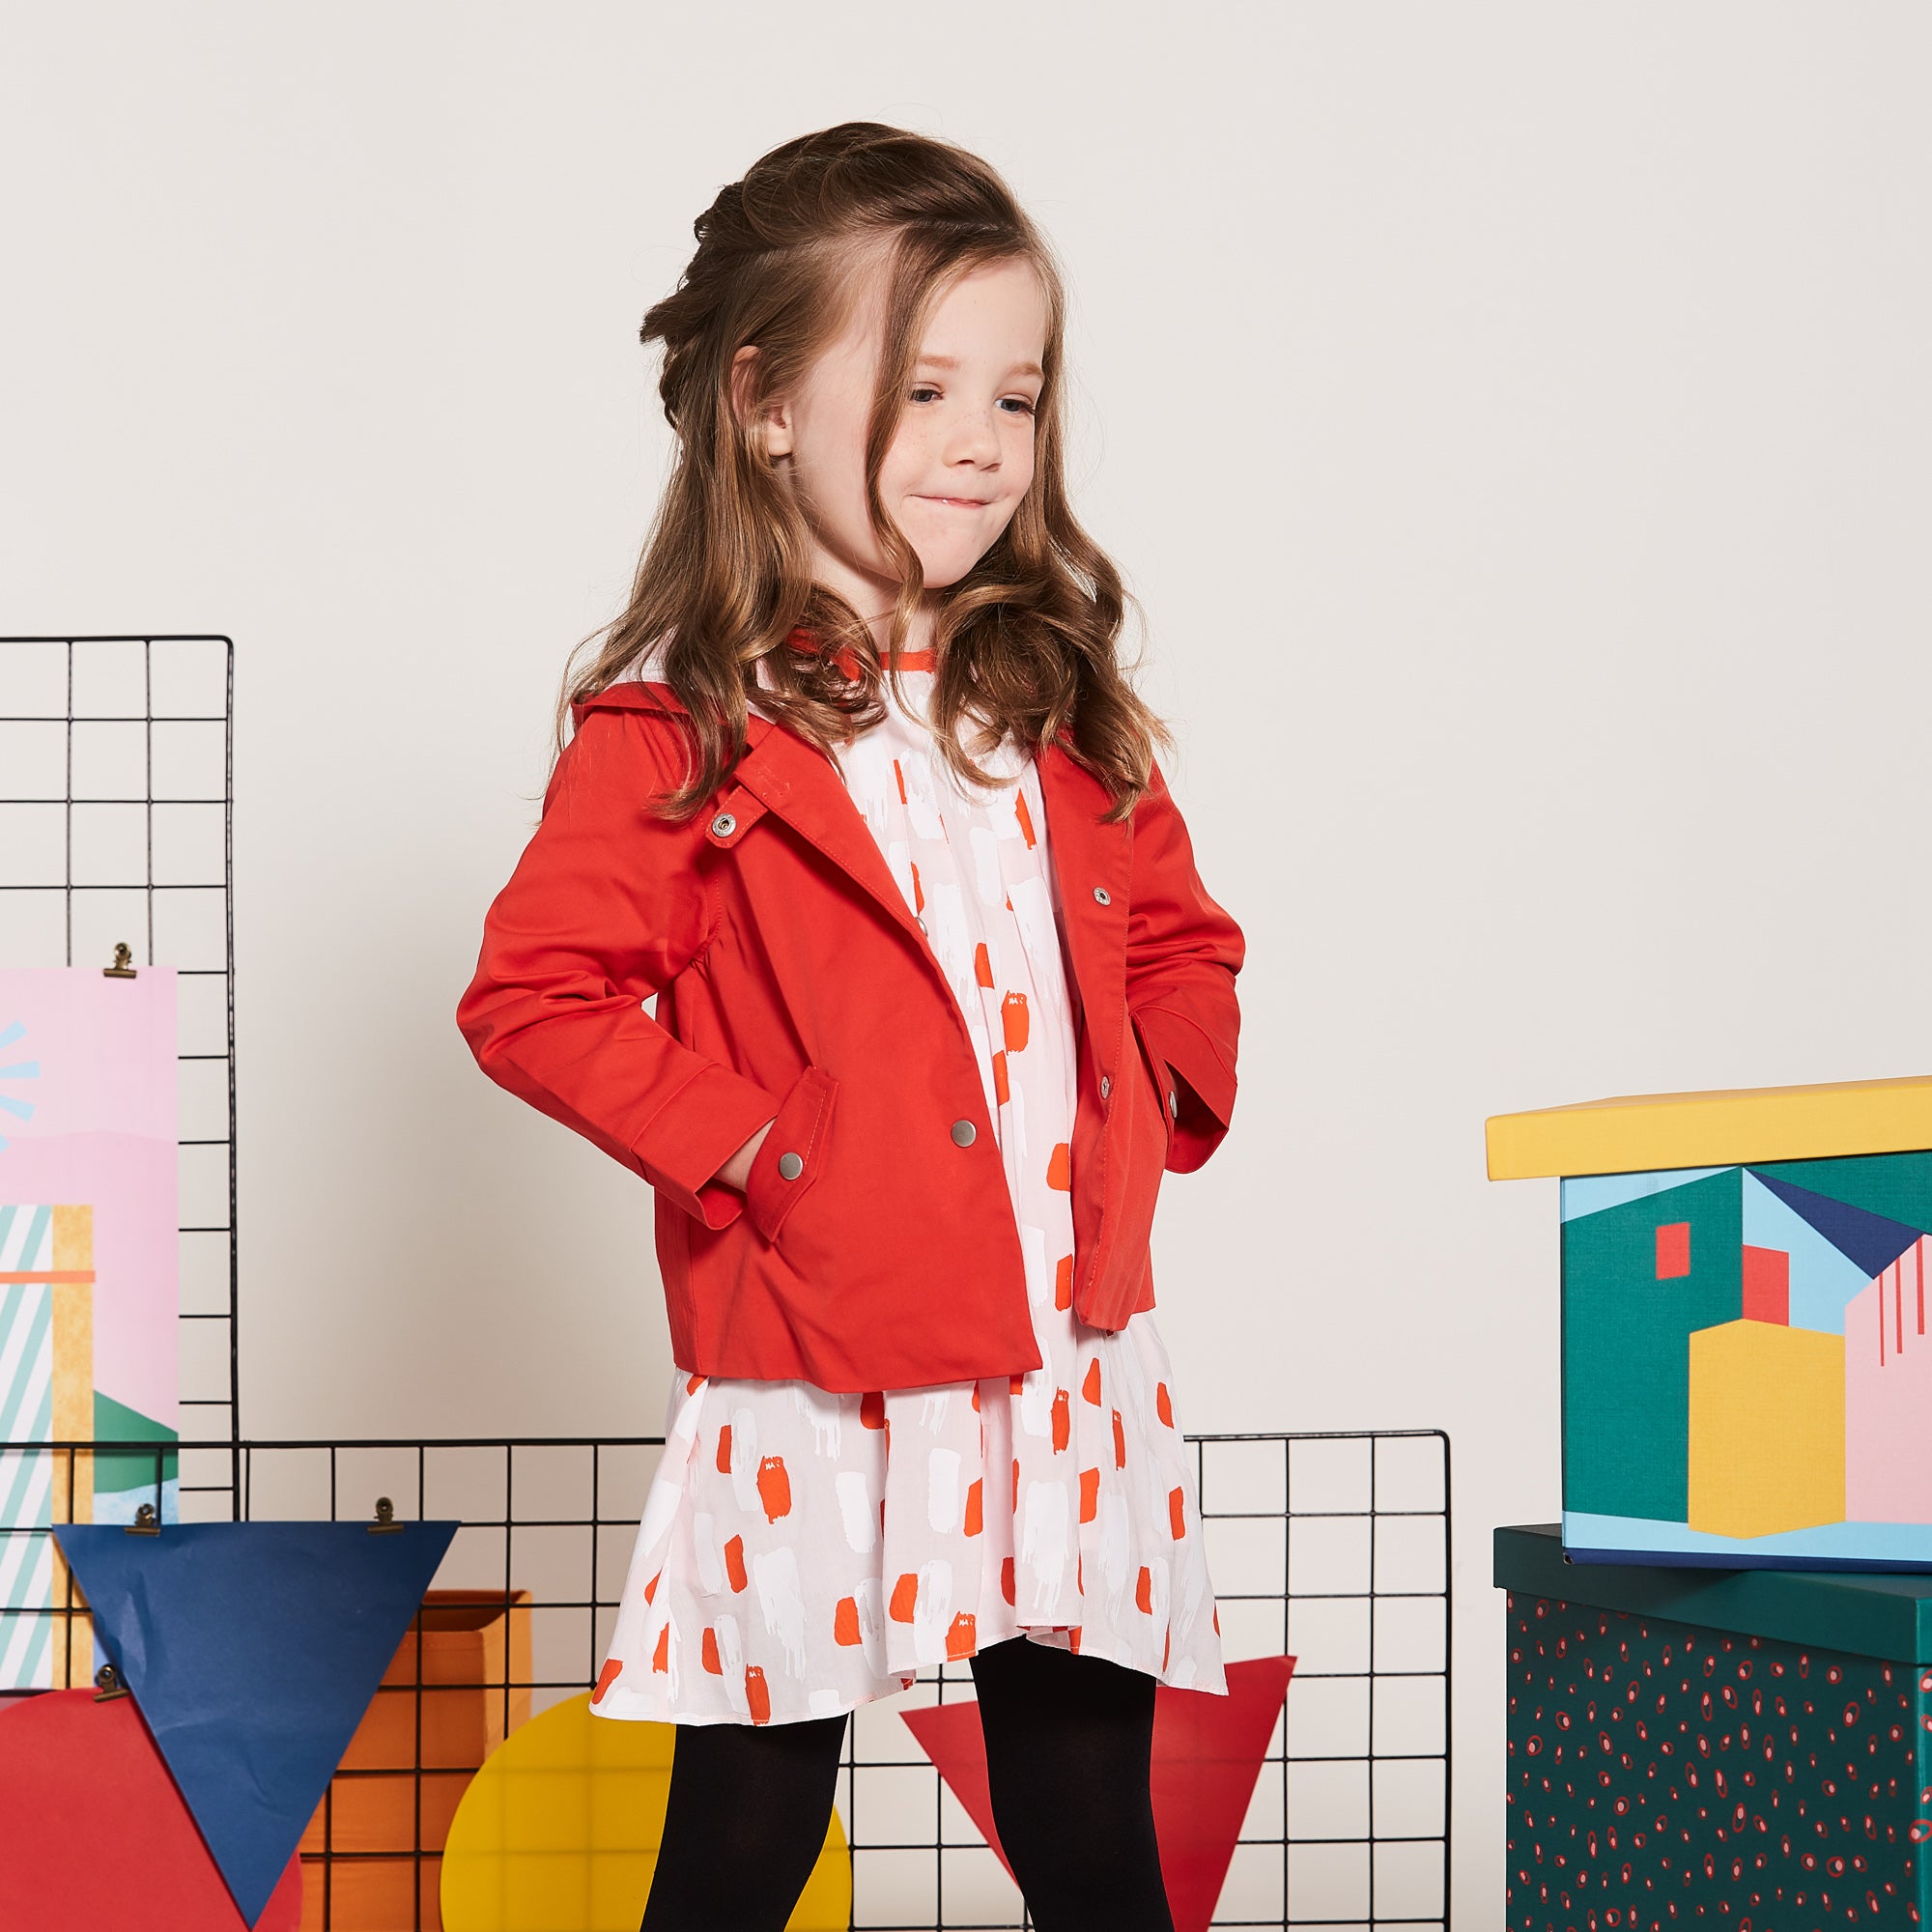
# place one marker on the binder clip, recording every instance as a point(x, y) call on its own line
point(145, 1522)
point(385, 1523)
point(122, 967)
point(108, 1685)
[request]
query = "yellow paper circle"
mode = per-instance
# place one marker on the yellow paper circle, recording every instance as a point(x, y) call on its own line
point(559, 1833)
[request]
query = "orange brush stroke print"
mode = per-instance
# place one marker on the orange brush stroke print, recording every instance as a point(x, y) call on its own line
point(1014, 1022)
point(774, 1488)
point(758, 1695)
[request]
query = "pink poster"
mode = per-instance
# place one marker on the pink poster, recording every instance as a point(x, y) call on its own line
point(89, 1197)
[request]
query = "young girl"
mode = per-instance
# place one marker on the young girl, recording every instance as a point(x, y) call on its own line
point(861, 805)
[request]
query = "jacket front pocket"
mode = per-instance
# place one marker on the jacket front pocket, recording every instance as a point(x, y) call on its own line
point(793, 1155)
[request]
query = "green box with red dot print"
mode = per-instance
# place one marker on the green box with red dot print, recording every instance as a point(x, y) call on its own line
point(1750, 1749)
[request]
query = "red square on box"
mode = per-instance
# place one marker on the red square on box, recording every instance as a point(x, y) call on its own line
point(1673, 1250)
point(1767, 1285)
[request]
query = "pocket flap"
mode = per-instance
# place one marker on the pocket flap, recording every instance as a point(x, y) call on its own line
point(792, 1155)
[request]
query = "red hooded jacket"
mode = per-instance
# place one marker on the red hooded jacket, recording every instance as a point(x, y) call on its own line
point(874, 1245)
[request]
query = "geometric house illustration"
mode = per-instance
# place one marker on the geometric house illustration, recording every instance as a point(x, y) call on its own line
point(1746, 1361)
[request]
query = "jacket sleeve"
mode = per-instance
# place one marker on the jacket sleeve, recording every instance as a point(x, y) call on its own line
point(607, 906)
point(1184, 951)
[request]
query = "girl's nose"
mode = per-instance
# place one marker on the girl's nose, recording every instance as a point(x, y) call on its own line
point(972, 438)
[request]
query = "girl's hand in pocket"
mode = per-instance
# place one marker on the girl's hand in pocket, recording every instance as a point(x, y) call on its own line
point(736, 1170)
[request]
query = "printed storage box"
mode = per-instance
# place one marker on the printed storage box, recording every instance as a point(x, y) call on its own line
point(1747, 1365)
point(1750, 1750)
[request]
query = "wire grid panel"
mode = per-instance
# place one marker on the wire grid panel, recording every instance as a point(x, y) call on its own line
point(116, 819)
point(1332, 1547)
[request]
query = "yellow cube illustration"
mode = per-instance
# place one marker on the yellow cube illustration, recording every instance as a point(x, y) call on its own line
point(1767, 1429)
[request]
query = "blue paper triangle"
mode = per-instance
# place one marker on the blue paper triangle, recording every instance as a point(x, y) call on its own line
point(1868, 1240)
point(252, 1650)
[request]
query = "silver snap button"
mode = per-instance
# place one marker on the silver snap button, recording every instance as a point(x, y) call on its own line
point(1106, 1086)
point(964, 1132)
point(1100, 894)
point(725, 824)
point(792, 1165)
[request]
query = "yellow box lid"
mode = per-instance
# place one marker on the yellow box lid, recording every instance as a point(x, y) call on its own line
point(1642, 1132)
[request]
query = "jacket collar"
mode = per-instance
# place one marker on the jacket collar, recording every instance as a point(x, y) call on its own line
point(795, 779)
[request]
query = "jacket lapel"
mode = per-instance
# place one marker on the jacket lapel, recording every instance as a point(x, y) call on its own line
point(803, 786)
point(1087, 855)
point(794, 779)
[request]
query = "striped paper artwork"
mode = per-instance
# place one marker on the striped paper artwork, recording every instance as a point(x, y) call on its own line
point(14, 1102)
point(26, 1478)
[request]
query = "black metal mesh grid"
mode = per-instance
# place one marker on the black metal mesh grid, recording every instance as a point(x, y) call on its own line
point(115, 826)
point(116, 767)
point(1332, 1546)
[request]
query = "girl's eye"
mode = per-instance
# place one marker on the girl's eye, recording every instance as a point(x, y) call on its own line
point(927, 392)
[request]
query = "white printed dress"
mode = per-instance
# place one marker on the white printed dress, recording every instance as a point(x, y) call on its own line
point(803, 1552)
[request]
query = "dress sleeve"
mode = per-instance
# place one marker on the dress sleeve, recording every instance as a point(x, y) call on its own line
point(606, 907)
point(1184, 953)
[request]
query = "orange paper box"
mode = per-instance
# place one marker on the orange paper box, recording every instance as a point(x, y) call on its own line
point(470, 1645)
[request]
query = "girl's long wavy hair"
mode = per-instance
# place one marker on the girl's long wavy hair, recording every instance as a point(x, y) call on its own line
point(1024, 644)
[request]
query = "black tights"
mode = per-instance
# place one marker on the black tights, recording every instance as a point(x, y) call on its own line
point(1068, 1745)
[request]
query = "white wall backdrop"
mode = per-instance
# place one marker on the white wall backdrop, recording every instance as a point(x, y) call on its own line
point(1513, 419)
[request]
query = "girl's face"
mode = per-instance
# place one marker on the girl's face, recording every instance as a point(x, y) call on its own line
point(962, 456)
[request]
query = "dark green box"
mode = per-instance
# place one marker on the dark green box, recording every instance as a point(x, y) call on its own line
point(1750, 1749)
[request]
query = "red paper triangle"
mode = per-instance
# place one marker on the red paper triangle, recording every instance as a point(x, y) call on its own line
point(1208, 1752)
point(94, 1835)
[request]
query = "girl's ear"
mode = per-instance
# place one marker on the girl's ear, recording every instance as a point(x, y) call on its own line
point(773, 420)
